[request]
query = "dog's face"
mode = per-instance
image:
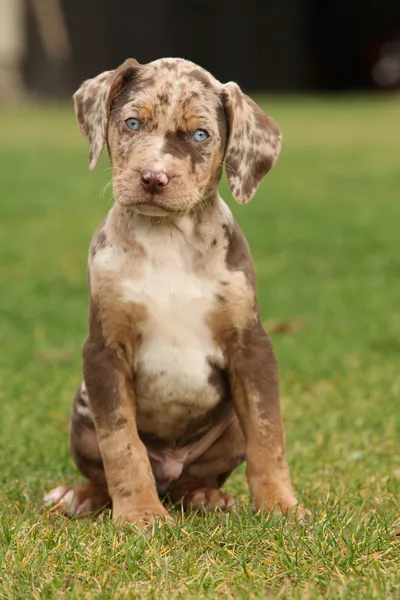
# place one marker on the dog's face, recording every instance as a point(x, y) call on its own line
point(169, 126)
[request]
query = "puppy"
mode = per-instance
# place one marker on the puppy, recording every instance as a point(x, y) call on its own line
point(180, 379)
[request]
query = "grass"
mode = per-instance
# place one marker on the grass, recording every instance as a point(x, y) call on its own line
point(324, 230)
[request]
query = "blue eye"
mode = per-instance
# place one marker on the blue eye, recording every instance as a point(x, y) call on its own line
point(200, 135)
point(133, 124)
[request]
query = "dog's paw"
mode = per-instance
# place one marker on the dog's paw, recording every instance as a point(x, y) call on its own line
point(77, 499)
point(295, 512)
point(208, 499)
point(285, 503)
point(142, 517)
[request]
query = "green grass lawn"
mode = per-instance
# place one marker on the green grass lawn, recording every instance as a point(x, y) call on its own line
point(324, 230)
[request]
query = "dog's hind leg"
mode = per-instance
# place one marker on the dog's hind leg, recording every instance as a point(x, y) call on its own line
point(92, 495)
point(199, 485)
point(80, 499)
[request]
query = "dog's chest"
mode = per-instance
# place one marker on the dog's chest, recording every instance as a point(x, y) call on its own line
point(174, 360)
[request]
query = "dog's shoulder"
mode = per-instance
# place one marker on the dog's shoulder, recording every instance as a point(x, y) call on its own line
point(238, 254)
point(98, 241)
point(114, 250)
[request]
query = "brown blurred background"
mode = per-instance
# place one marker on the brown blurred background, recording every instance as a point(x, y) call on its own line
point(47, 47)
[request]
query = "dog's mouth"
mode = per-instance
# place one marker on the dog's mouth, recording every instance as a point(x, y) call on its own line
point(151, 205)
point(152, 209)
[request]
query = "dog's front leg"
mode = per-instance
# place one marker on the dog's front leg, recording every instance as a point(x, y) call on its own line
point(127, 467)
point(255, 389)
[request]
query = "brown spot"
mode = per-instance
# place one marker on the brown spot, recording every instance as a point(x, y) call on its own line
point(120, 322)
point(99, 240)
point(201, 76)
point(119, 422)
point(80, 114)
point(238, 255)
point(220, 298)
point(121, 77)
point(179, 146)
point(222, 123)
point(169, 65)
point(130, 89)
point(163, 99)
point(259, 167)
point(88, 104)
point(232, 162)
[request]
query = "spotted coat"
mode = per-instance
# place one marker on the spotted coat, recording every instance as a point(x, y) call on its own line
point(180, 379)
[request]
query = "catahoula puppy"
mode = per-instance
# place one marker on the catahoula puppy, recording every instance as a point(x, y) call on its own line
point(180, 378)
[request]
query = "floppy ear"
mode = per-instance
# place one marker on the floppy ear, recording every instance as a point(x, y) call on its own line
point(93, 102)
point(253, 146)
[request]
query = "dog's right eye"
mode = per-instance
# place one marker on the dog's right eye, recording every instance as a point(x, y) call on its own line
point(133, 124)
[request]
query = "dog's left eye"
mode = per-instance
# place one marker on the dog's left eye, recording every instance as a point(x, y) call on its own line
point(200, 135)
point(133, 124)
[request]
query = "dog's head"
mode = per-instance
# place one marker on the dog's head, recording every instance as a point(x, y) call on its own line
point(169, 126)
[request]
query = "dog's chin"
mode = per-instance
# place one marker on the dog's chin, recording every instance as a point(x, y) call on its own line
point(152, 205)
point(159, 205)
point(150, 209)
point(146, 207)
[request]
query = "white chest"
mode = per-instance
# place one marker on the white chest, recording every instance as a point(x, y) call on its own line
point(172, 364)
point(177, 303)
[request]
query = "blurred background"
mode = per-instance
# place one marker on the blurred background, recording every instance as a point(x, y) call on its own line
point(323, 231)
point(47, 47)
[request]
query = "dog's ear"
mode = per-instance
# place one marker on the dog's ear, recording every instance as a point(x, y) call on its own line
point(253, 146)
point(93, 102)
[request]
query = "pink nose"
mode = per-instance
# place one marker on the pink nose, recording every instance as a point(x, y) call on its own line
point(154, 181)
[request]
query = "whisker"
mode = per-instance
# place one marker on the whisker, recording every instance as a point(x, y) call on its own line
point(106, 188)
